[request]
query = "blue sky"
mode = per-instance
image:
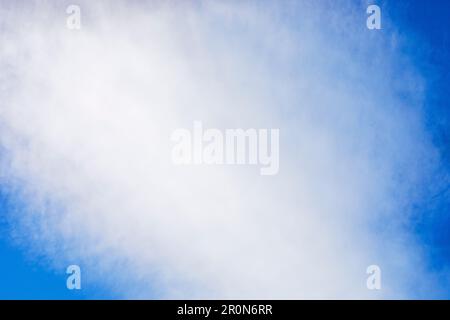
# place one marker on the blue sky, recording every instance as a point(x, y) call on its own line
point(424, 24)
point(21, 277)
point(25, 277)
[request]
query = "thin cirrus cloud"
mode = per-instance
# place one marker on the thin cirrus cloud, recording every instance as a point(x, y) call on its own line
point(85, 124)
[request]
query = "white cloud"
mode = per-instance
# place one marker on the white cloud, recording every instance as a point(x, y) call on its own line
point(86, 118)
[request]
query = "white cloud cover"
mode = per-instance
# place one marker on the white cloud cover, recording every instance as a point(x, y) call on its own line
point(85, 124)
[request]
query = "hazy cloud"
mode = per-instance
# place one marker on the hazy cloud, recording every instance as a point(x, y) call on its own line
point(85, 123)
